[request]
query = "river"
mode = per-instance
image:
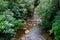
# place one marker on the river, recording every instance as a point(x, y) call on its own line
point(31, 31)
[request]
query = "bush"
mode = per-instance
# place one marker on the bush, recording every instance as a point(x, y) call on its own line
point(8, 22)
point(19, 12)
point(26, 3)
point(45, 10)
point(12, 14)
point(3, 4)
point(56, 26)
point(20, 8)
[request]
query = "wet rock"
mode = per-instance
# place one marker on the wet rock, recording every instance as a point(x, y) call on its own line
point(33, 34)
point(27, 31)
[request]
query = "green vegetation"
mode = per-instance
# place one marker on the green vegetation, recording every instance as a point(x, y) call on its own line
point(47, 11)
point(13, 13)
point(8, 22)
point(56, 26)
point(20, 8)
point(3, 5)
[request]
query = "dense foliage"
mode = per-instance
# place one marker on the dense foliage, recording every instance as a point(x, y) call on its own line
point(45, 9)
point(3, 5)
point(8, 23)
point(56, 26)
point(47, 12)
point(14, 12)
point(20, 8)
point(12, 15)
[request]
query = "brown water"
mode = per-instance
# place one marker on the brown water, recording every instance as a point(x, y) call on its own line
point(31, 31)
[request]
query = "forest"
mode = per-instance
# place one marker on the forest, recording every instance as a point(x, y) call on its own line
point(15, 13)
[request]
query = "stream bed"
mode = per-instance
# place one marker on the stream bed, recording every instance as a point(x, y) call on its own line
point(31, 31)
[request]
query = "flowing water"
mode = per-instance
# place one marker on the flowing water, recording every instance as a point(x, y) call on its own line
point(31, 31)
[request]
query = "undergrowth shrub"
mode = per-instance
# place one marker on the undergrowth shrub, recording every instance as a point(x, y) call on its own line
point(56, 26)
point(8, 23)
point(20, 8)
point(12, 15)
point(45, 10)
point(3, 5)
